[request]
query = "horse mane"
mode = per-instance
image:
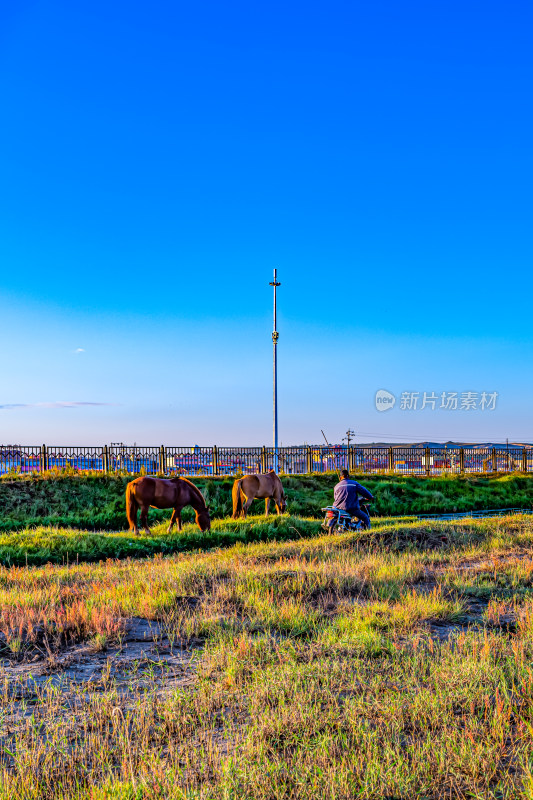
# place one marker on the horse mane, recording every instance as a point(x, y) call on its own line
point(194, 488)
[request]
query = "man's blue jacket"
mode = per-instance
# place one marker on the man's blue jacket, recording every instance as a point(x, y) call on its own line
point(346, 495)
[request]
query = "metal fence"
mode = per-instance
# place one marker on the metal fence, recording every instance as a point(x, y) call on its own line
point(298, 460)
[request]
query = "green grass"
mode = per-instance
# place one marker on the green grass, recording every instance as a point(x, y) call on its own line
point(97, 501)
point(58, 545)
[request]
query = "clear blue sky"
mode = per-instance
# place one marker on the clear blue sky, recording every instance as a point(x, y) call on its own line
point(157, 160)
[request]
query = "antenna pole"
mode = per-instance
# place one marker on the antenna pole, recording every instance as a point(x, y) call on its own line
point(275, 336)
point(332, 455)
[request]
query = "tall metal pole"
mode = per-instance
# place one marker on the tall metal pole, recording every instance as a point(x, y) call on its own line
point(275, 337)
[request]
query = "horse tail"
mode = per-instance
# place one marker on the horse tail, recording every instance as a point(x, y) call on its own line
point(237, 499)
point(132, 505)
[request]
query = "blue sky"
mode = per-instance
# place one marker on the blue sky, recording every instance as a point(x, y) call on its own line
point(158, 161)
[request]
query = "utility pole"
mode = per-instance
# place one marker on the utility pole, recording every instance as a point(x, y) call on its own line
point(275, 337)
point(348, 438)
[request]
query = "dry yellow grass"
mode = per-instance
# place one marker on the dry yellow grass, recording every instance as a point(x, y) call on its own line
point(323, 668)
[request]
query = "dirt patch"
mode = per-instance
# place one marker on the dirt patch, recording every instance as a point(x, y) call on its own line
point(484, 564)
point(145, 660)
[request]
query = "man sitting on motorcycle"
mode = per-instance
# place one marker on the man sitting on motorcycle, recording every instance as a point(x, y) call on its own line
point(346, 497)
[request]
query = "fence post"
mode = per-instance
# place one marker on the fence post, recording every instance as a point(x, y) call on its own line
point(289, 460)
point(427, 457)
point(351, 459)
point(462, 461)
point(105, 459)
point(215, 460)
point(494, 461)
point(524, 460)
point(43, 458)
point(263, 459)
point(309, 459)
point(391, 460)
point(161, 460)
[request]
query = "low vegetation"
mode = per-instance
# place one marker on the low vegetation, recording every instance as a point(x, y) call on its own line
point(392, 664)
point(43, 545)
point(96, 502)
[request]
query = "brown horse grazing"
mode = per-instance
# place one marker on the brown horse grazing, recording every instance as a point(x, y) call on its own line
point(164, 493)
point(266, 485)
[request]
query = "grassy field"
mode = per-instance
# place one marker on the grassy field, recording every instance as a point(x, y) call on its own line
point(390, 664)
point(47, 545)
point(43, 545)
point(96, 502)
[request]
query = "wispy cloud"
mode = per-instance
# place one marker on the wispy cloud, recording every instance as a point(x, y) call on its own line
point(79, 350)
point(57, 404)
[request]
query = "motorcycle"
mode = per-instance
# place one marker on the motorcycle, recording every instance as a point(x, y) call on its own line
point(343, 522)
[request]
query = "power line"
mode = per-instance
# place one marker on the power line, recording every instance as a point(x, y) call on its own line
point(422, 437)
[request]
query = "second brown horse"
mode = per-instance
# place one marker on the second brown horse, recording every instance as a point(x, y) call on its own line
point(266, 485)
point(164, 493)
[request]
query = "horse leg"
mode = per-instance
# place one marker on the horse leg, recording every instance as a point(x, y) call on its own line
point(267, 505)
point(173, 519)
point(144, 517)
point(246, 506)
point(176, 516)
